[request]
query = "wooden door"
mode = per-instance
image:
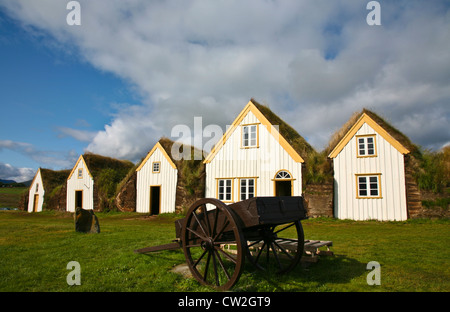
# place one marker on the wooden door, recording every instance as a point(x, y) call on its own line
point(36, 202)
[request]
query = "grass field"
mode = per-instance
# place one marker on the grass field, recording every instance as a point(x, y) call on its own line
point(36, 248)
point(10, 196)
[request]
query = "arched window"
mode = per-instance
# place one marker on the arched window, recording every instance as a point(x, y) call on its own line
point(283, 174)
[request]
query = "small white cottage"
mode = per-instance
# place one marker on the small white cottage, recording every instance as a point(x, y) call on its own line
point(80, 187)
point(369, 170)
point(47, 190)
point(93, 181)
point(36, 193)
point(165, 185)
point(259, 155)
point(156, 184)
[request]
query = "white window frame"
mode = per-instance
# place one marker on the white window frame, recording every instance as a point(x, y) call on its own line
point(247, 188)
point(364, 147)
point(249, 137)
point(368, 184)
point(225, 190)
point(80, 173)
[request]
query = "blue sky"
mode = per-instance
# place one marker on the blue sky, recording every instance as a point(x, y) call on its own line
point(135, 69)
point(44, 90)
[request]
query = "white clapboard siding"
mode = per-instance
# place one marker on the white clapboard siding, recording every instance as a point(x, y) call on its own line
point(37, 192)
point(76, 183)
point(166, 179)
point(263, 163)
point(389, 164)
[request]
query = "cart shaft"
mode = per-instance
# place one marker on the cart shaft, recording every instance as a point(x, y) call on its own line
point(171, 246)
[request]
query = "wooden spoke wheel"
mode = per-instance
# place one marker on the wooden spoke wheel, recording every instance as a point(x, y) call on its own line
point(278, 248)
point(204, 235)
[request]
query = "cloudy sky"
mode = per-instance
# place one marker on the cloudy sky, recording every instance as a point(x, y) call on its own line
point(133, 70)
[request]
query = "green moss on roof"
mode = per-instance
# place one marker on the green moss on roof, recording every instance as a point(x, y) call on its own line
point(53, 179)
point(298, 143)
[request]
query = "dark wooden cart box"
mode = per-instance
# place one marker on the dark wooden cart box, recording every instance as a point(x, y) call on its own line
point(270, 210)
point(259, 211)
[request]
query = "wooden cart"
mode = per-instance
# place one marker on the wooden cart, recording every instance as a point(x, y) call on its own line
point(216, 238)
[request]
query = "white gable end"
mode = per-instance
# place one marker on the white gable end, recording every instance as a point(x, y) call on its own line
point(261, 162)
point(36, 194)
point(387, 163)
point(80, 184)
point(156, 172)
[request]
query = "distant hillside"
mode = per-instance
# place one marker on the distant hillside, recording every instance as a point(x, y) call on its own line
point(12, 183)
point(7, 181)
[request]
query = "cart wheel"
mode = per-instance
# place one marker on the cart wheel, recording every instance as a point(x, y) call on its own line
point(204, 234)
point(270, 247)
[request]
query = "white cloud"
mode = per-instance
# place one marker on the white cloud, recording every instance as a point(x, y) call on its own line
point(314, 62)
point(9, 172)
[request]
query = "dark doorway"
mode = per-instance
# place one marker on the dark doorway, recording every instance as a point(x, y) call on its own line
point(155, 199)
point(283, 188)
point(78, 199)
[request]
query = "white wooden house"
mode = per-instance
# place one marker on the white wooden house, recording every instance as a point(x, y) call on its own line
point(47, 190)
point(156, 184)
point(80, 187)
point(369, 171)
point(259, 155)
point(36, 193)
point(165, 184)
point(93, 180)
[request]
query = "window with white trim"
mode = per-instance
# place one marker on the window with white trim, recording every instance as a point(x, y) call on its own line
point(366, 146)
point(368, 186)
point(80, 173)
point(225, 189)
point(250, 136)
point(247, 188)
point(156, 167)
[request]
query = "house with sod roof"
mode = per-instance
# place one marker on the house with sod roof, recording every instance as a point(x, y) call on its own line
point(93, 181)
point(372, 164)
point(47, 190)
point(166, 184)
point(259, 155)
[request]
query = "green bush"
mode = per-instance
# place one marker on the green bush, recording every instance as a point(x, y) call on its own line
point(433, 173)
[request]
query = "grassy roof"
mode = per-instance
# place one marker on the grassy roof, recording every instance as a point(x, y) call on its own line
point(298, 143)
point(107, 173)
point(190, 171)
point(98, 163)
point(53, 179)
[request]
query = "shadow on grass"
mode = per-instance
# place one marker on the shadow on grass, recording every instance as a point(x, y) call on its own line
point(320, 276)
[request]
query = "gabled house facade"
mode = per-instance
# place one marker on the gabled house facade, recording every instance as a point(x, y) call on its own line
point(47, 190)
point(92, 183)
point(156, 184)
point(259, 155)
point(36, 193)
point(369, 171)
point(80, 187)
point(165, 184)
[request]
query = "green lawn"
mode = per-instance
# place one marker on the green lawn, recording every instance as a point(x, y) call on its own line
point(10, 196)
point(36, 248)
